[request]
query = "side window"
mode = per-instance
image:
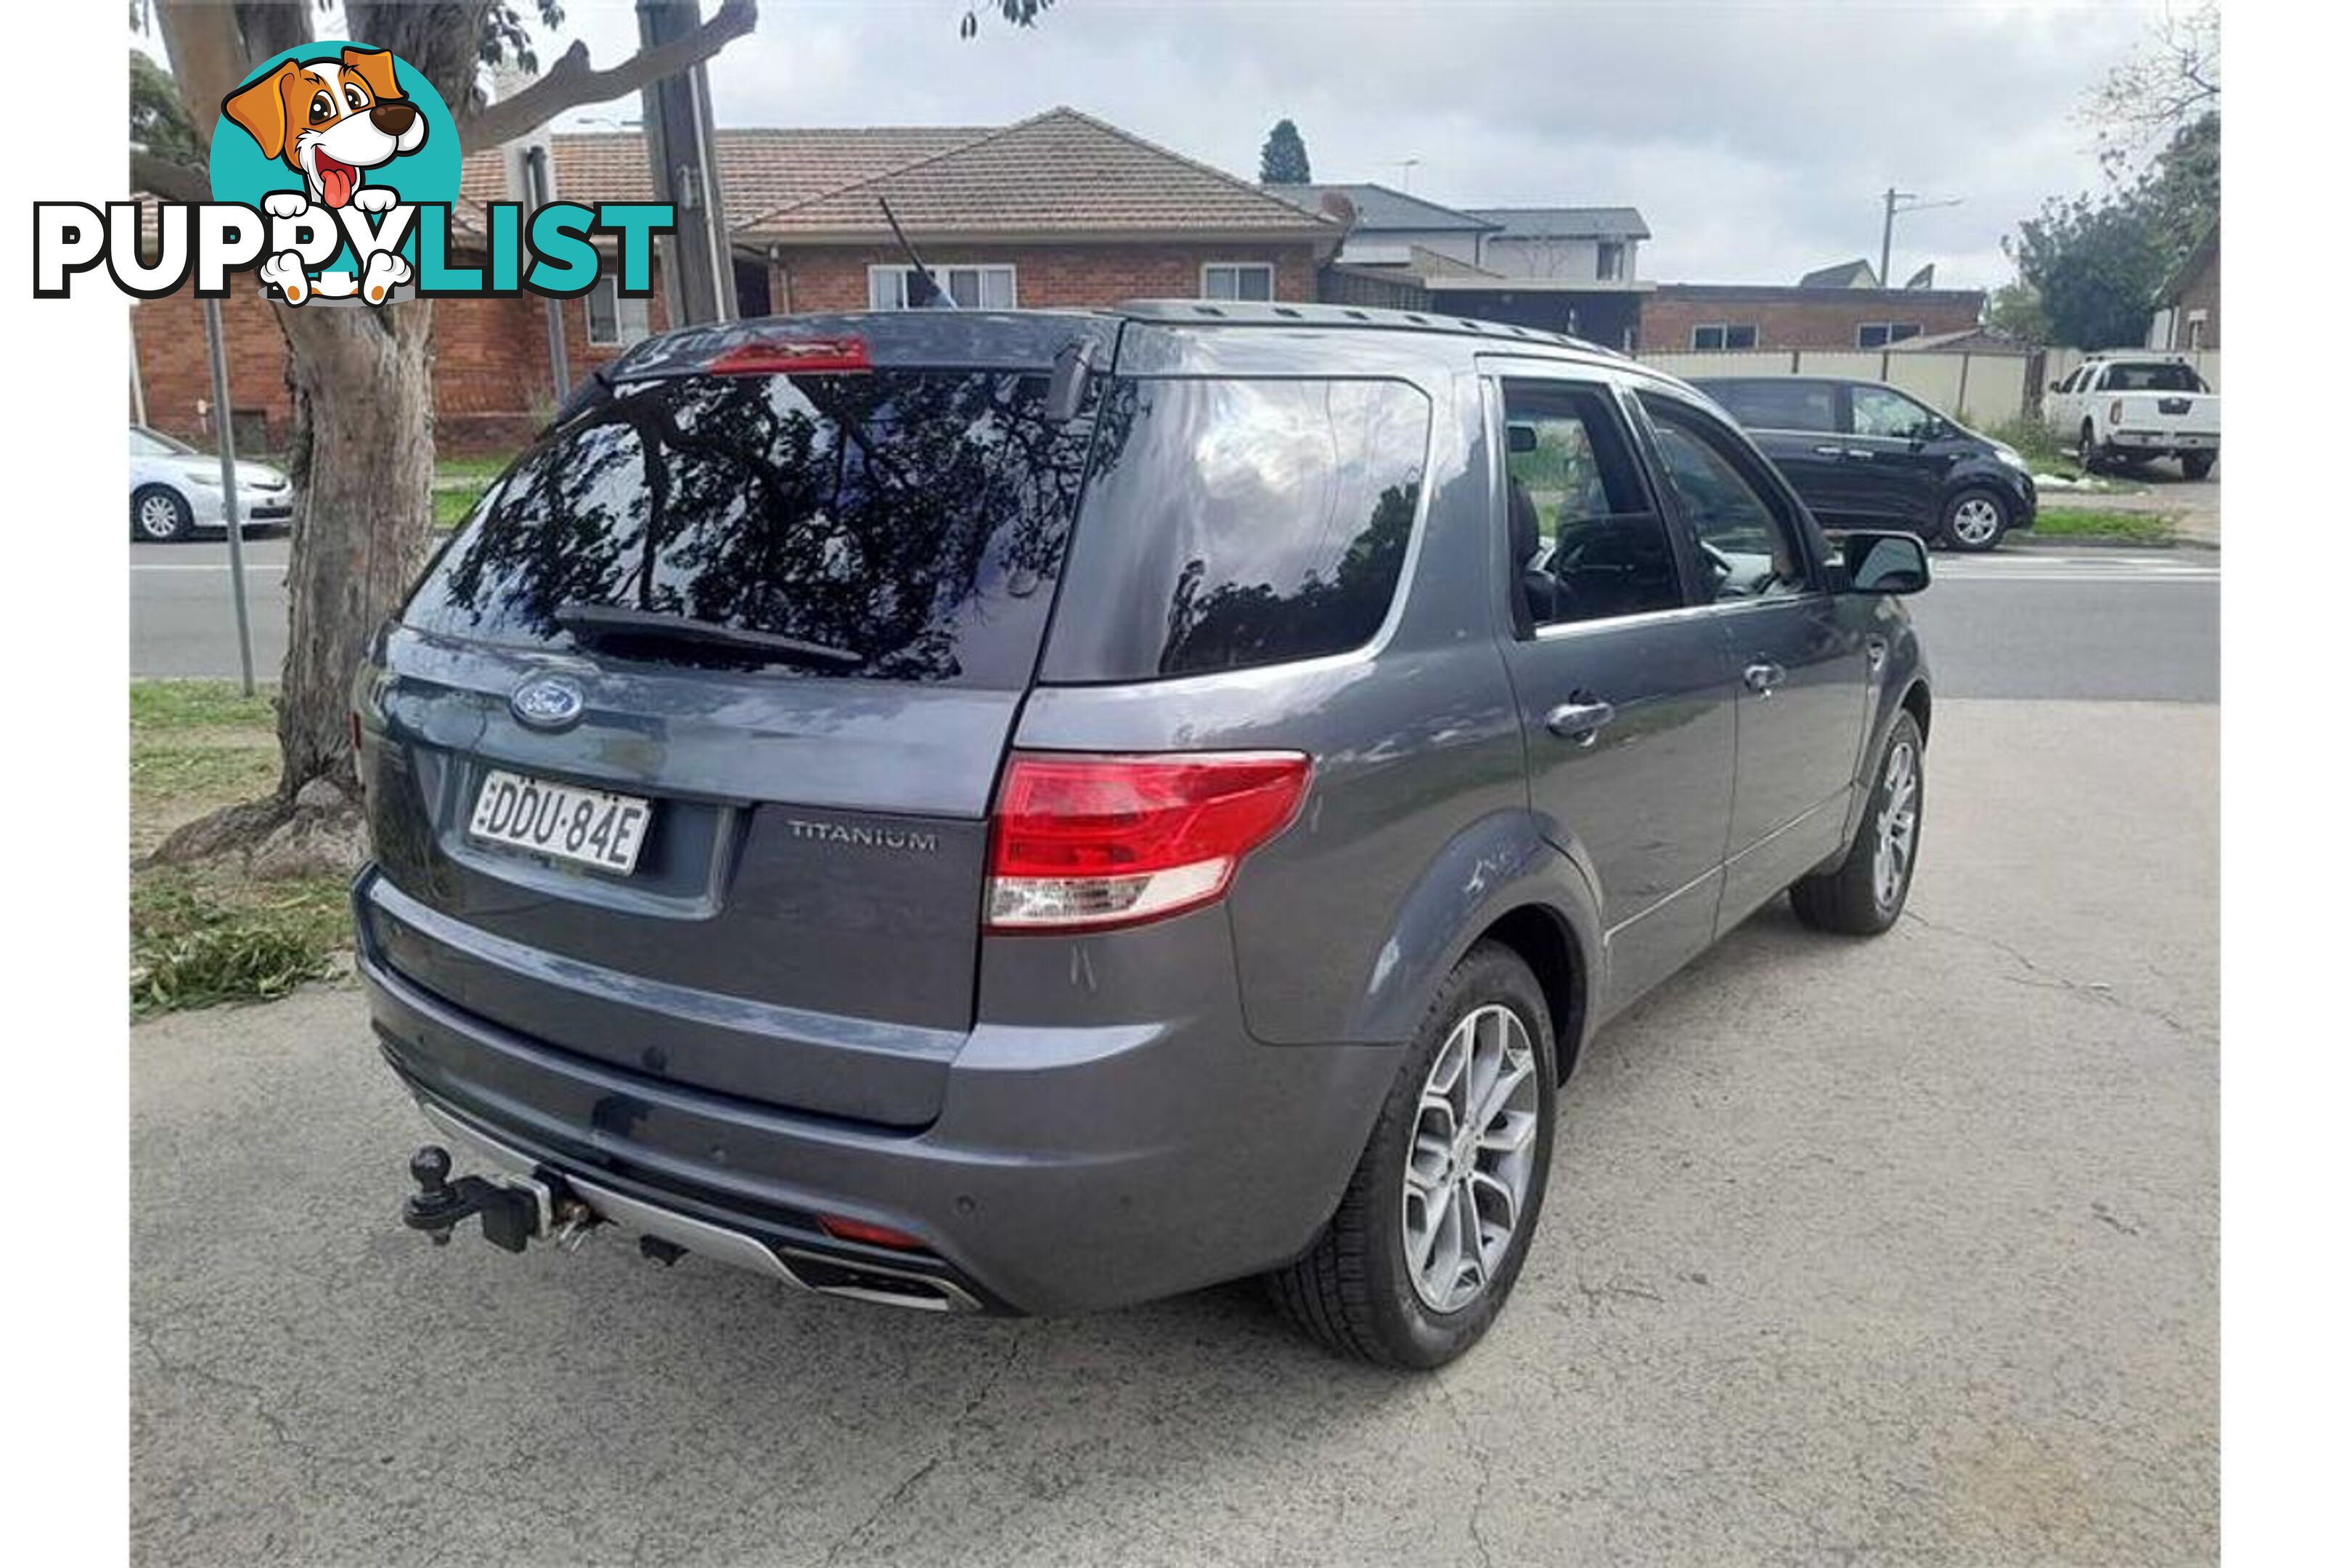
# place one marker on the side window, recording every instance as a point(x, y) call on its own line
point(1879, 412)
point(1745, 537)
point(1783, 404)
point(1585, 541)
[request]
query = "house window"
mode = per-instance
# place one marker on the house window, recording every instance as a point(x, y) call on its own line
point(1609, 261)
point(1237, 280)
point(971, 288)
point(1725, 335)
point(614, 320)
point(1878, 335)
point(2196, 331)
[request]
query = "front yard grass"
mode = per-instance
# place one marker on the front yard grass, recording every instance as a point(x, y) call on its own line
point(202, 935)
point(2086, 522)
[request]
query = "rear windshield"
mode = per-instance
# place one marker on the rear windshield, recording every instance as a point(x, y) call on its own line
point(1235, 522)
point(913, 520)
point(2162, 376)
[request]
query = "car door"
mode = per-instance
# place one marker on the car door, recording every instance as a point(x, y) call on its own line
point(1624, 690)
point(1795, 421)
point(1801, 652)
point(1894, 464)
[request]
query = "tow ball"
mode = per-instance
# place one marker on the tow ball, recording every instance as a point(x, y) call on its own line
point(513, 1209)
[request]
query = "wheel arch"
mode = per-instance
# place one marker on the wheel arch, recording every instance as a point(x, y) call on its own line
point(1544, 941)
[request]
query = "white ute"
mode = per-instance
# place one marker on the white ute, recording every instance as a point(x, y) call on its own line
point(2124, 408)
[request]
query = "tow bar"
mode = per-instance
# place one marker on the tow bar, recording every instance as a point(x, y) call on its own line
point(513, 1209)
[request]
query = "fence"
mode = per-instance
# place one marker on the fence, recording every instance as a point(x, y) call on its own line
point(1976, 388)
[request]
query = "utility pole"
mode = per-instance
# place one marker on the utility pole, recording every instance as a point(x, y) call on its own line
point(1899, 202)
point(699, 282)
point(1404, 173)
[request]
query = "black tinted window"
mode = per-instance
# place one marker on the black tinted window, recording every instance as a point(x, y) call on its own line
point(1585, 543)
point(2156, 377)
point(1231, 522)
point(916, 520)
point(1777, 404)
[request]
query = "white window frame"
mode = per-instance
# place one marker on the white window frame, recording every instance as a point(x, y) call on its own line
point(632, 316)
point(942, 272)
point(1602, 271)
point(1723, 343)
point(1236, 269)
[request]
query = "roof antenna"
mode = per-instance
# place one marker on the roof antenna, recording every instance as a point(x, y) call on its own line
point(923, 290)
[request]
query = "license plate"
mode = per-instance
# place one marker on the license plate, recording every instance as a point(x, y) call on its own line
point(586, 826)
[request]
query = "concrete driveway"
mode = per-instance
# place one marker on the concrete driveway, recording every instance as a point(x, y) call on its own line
point(1900, 1251)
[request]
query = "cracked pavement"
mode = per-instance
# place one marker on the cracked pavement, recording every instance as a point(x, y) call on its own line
point(1889, 1252)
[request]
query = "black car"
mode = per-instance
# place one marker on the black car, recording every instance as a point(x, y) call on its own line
point(1866, 455)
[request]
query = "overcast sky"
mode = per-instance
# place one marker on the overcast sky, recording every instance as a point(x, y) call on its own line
point(1754, 138)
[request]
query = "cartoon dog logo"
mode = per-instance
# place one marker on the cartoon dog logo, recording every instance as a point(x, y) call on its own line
point(330, 120)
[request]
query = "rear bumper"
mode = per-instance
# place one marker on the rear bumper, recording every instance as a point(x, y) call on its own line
point(1070, 1168)
point(2172, 441)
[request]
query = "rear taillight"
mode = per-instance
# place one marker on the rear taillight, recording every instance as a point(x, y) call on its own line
point(793, 356)
point(1086, 842)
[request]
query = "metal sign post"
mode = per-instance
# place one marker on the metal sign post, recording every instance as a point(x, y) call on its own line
point(230, 514)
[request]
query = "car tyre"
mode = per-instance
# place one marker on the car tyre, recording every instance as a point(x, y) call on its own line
point(160, 515)
point(1865, 893)
point(1357, 1290)
point(1976, 519)
point(2195, 465)
point(2087, 450)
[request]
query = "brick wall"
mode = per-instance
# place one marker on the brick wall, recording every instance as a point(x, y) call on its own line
point(1800, 318)
point(492, 390)
point(810, 278)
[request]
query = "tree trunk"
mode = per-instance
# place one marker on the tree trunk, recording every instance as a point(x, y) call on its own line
point(363, 461)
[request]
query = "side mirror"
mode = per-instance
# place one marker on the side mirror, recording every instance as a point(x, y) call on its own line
point(1884, 563)
point(2055, 385)
point(1522, 440)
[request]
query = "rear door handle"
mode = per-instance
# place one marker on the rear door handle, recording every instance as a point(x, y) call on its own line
point(1829, 451)
point(1579, 721)
point(1763, 676)
point(1859, 454)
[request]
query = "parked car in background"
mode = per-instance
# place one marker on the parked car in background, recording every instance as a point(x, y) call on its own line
point(1866, 455)
point(2127, 409)
point(175, 491)
point(1032, 811)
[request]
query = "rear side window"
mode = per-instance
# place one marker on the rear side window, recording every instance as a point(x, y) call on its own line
point(1234, 521)
point(1777, 405)
point(915, 520)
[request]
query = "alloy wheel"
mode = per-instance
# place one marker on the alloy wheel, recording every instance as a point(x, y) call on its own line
point(158, 518)
point(1976, 522)
point(1898, 825)
point(1471, 1158)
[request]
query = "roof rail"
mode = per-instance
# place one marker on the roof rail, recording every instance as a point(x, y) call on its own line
point(1277, 313)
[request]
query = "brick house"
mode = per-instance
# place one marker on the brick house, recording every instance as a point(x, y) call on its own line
point(1060, 210)
point(1705, 317)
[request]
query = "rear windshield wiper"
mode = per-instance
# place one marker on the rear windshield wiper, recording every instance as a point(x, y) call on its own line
point(594, 621)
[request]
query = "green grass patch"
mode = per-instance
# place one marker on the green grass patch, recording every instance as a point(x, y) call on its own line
point(195, 943)
point(164, 705)
point(450, 507)
point(2088, 522)
point(202, 937)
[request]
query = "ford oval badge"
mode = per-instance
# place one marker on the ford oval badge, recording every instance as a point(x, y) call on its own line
point(548, 702)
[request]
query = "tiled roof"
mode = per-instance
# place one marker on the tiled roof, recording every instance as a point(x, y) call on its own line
point(759, 169)
point(1565, 223)
point(1855, 274)
point(1059, 173)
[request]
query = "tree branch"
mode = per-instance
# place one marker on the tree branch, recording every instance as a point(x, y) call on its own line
point(569, 82)
point(172, 182)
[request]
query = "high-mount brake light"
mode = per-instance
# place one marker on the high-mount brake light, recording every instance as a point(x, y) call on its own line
point(793, 356)
point(1085, 843)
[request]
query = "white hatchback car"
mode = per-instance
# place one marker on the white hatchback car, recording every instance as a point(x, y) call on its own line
point(175, 491)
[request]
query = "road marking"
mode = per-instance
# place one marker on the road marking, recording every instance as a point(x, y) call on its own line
point(2040, 568)
point(204, 566)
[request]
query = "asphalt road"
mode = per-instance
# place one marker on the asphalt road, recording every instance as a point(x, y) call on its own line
point(2090, 623)
point(183, 615)
point(1900, 1251)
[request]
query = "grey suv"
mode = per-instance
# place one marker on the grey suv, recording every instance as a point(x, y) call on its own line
point(1033, 812)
